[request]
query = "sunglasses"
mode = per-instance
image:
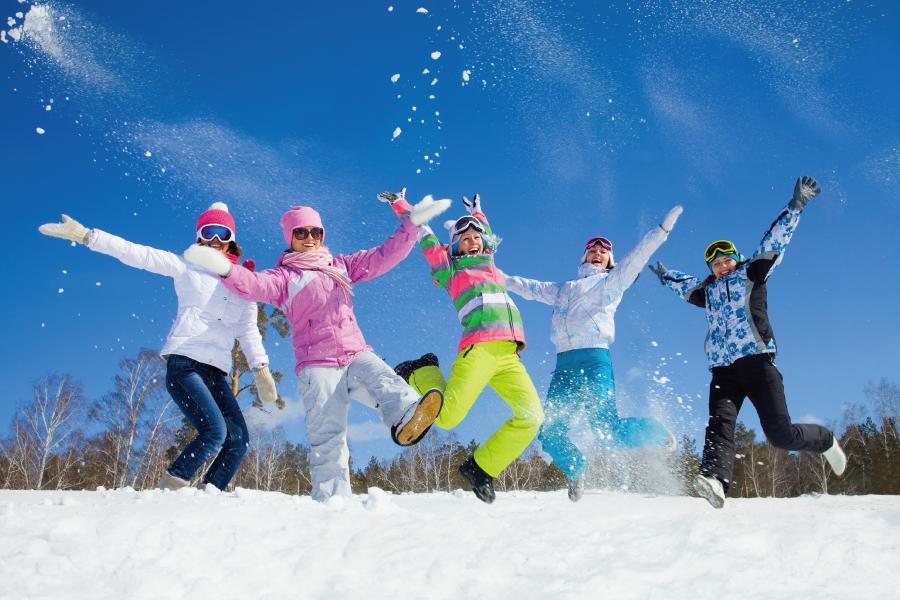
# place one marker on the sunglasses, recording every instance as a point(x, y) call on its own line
point(723, 246)
point(465, 223)
point(604, 243)
point(301, 233)
point(208, 232)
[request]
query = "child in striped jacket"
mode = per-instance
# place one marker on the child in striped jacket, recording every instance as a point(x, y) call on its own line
point(488, 352)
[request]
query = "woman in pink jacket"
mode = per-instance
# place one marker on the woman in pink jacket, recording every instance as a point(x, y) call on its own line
point(334, 363)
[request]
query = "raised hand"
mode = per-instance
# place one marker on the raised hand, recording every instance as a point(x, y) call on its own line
point(391, 197)
point(669, 222)
point(659, 270)
point(473, 205)
point(805, 190)
point(68, 229)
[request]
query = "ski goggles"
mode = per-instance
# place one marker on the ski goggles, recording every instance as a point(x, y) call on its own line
point(301, 233)
point(464, 223)
point(209, 232)
point(604, 243)
point(717, 247)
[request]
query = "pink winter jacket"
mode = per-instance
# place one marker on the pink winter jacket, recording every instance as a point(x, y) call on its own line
point(324, 327)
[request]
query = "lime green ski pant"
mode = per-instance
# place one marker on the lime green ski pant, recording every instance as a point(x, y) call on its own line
point(488, 363)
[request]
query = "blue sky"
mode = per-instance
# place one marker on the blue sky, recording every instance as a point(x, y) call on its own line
point(569, 118)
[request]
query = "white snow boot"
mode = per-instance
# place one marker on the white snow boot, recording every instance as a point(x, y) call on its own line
point(836, 458)
point(418, 419)
point(576, 488)
point(711, 489)
point(171, 482)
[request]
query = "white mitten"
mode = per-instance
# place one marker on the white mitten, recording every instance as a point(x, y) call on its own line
point(427, 209)
point(69, 229)
point(669, 222)
point(265, 384)
point(208, 259)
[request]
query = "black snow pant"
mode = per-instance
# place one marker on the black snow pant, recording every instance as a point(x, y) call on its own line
point(755, 377)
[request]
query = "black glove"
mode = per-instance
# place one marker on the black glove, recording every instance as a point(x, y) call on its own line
point(659, 270)
point(805, 190)
point(391, 197)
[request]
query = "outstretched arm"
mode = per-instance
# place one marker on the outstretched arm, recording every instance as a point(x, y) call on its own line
point(532, 289)
point(688, 287)
point(771, 249)
point(438, 256)
point(626, 271)
point(150, 259)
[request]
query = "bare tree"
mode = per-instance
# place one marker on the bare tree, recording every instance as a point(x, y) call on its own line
point(43, 427)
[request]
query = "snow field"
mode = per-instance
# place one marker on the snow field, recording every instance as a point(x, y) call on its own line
point(250, 544)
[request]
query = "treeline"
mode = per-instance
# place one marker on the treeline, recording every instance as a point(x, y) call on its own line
point(61, 439)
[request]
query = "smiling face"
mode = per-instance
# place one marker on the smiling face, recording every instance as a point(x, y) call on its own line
point(470, 242)
point(723, 265)
point(215, 243)
point(598, 256)
point(306, 239)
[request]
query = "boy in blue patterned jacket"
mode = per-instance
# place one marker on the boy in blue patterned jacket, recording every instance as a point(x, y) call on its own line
point(740, 347)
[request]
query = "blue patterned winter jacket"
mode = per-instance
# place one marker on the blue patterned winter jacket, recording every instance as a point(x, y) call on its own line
point(736, 305)
point(584, 309)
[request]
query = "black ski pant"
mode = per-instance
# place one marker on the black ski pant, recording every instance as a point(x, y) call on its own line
point(755, 377)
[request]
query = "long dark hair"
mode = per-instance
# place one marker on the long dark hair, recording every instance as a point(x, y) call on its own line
point(234, 249)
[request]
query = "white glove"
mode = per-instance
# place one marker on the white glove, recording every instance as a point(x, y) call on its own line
point(265, 384)
point(427, 209)
point(69, 229)
point(208, 259)
point(473, 205)
point(669, 222)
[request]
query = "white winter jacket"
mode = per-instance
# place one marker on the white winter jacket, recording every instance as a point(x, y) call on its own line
point(209, 316)
point(584, 309)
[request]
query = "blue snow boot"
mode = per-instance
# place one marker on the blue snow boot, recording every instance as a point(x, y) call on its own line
point(407, 368)
point(482, 483)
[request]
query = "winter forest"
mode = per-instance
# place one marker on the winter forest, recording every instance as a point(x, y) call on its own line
point(449, 300)
point(62, 440)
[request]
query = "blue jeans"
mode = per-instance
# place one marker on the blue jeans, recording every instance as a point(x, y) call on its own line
point(204, 395)
point(583, 392)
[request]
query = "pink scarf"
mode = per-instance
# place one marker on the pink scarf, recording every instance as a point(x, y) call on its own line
point(316, 260)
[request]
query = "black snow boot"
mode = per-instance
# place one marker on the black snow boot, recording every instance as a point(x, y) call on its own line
point(407, 368)
point(482, 483)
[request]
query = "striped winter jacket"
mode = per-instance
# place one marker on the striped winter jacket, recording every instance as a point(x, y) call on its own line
point(478, 290)
point(736, 305)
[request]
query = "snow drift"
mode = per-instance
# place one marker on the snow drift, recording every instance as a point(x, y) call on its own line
point(249, 544)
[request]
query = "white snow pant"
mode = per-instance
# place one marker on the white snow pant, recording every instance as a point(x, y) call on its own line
point(326, 393)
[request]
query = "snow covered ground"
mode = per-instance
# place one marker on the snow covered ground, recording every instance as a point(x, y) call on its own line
point(194, 544)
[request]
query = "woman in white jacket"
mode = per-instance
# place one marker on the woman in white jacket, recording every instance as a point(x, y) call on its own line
point(198, 347)
point(582, 388)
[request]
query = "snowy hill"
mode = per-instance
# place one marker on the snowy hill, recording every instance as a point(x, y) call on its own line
point(194, 544)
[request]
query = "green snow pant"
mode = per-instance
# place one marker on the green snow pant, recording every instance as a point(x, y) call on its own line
point(488, 363)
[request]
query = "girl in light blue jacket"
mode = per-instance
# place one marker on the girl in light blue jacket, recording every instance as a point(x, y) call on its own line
point(582, 389)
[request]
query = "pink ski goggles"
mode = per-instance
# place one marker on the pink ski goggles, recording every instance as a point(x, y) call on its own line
point(604, 243)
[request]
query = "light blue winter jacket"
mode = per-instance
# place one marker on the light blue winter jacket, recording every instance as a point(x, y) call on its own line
point(736, 305)
point(584, 309)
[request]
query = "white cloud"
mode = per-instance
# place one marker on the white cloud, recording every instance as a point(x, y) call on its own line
point(259, 420)
point(367, 431)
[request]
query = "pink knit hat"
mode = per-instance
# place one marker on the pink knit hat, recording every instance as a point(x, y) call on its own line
point(299, 216)
point(217, 214)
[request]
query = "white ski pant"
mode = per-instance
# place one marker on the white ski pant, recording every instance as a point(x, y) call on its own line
point(326, 392)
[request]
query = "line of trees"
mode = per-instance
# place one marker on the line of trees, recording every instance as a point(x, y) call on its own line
point(60, 439)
